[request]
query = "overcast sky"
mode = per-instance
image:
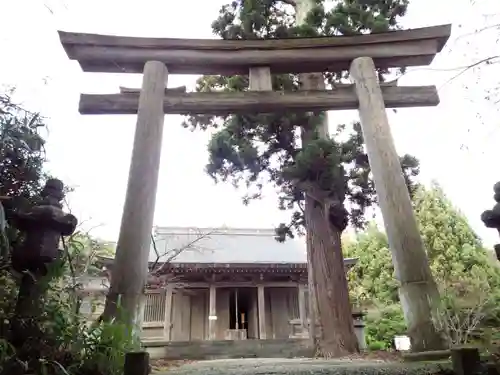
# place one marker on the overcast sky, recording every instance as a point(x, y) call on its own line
point(92, 153)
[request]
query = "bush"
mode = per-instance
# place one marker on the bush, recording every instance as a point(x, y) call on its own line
point(377, 345)
point(70, 345)
point(468, 314)
point(382, 325)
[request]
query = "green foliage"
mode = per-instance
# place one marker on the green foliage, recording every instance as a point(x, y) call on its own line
point(456, 255)
point(68, 345)
point(382, 325)
point(257, 149)
point(373, 276)
point(468, 279)
point(84, 252)
point(455, 251)
point(21, 152)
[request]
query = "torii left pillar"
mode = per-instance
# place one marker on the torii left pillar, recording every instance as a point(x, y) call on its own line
point(132, 251)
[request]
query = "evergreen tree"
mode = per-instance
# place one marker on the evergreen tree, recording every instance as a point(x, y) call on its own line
point(373, 275)
point(313, 176)
point(21, 163)
point(455, 252)
point(21, 152)
point(456, 255)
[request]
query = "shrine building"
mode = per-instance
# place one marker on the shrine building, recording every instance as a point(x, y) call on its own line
point(227, 284)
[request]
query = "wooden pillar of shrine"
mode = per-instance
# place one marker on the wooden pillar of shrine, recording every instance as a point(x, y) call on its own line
point(261, 303)
point(167, 328)
point(302, 303)
point(212, 311)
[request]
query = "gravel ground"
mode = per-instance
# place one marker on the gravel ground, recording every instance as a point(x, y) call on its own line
point(270, 366)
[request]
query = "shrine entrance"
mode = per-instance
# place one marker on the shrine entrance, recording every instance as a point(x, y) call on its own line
point(241, 301)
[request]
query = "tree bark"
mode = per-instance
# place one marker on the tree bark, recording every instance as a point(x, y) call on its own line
point(335, 332)
point(331, 326)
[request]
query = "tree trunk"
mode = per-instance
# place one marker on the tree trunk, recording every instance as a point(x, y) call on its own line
point(314, 322)
point(331, 326)
point(335, 331)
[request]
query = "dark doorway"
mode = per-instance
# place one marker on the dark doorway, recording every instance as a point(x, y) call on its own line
point(239, 308)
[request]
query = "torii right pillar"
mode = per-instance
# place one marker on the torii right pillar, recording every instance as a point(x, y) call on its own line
point(418, 291)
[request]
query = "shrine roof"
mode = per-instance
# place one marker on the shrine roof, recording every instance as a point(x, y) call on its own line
point(229, 246)
point(225, 245)
point(206, 249)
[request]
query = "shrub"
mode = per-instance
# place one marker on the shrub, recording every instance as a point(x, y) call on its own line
point(377, 345)
point(70, 346)
point(468, 314)
point(382, 325)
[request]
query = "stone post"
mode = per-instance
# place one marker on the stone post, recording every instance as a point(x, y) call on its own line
point(359, 329)
point(136, 363)
point(465, 361)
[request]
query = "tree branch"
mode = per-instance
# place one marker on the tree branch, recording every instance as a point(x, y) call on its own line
point(173, 253)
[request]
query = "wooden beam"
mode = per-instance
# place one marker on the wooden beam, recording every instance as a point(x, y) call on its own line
point(116, 54)
point(417, 290)
point(239, 284)
point(70, 38)
point(261, 305)
point(301, 289)
point(134, 239)
point(222, 103)
point(167, 328)
point(212, 311)
point(260, 79)
point(168, 90)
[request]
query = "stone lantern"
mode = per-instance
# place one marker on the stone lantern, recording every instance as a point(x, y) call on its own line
point(42, 227)
point(491, 218)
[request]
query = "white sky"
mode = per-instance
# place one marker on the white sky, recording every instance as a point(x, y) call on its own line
point(92, 153)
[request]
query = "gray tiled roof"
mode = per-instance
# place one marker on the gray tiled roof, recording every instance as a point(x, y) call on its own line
point(227, 245)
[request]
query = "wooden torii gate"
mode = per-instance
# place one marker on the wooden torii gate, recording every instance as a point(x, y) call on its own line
point(258, 58)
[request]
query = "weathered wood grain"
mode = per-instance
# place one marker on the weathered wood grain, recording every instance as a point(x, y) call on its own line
point(168, 90)
point(417, 289)
point(441, 32)
point(222, 103)
point(115, 54)
point(134, 239)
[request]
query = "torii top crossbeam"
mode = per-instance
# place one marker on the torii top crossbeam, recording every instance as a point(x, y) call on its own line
point(118, 54)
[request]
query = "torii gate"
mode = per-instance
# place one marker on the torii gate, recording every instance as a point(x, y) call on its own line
point(258, 58)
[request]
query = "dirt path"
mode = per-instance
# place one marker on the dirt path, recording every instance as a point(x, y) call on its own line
point(277, 366)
